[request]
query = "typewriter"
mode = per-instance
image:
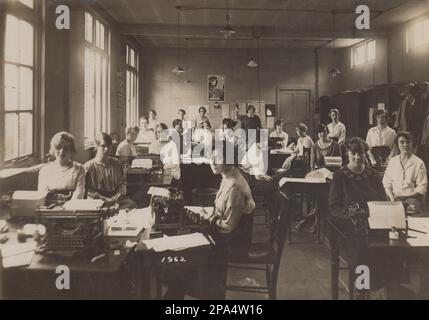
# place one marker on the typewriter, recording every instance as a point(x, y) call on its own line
point(171, 214)
point(74, 229)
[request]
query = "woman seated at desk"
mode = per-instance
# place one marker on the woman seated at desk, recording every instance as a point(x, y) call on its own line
point(63, 174)
point(303, 146)
point(146, 135)
point(405, 178)
point(324, 147)
point(279, 133)
point(356, 182)
point(161, 134)
point(105, 175)
point(203, 133)
point(234, 202)
point(227, 131)
point(127, 148)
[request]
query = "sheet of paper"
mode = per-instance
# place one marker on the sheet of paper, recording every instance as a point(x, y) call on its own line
point(321, 174)
point(84, 204)
point(157, 191)
point(130, 223)
point(419, 235)
point(301, 180)
point(177, 243)
point(17, 254)
point(386, 214)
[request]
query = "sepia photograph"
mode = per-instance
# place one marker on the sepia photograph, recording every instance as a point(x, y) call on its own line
point(128, 172)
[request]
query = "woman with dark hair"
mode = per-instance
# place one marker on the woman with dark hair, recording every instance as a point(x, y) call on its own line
point(105, 175)
point(324, 147)
point(145, 135)
point(161, 135)
point(355, 183)
point(337, 129)
point(279, 133)
point(201, 117)
point(251, 120)
point(153, 121)
point(63, 174)
point(405, 178)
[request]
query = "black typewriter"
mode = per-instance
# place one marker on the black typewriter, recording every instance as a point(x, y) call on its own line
point(171, 214)
point(73, 232)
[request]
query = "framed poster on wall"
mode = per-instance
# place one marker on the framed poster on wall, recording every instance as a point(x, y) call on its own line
point(216, 88)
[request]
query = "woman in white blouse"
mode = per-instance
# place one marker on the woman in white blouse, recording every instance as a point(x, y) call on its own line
point(405, 177)
point(63, 174)
point(234, 202)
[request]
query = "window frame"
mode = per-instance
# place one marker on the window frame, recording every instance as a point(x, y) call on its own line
point(410, 39)
point(106, 54)
point(134, 72)
point(366, 60)
point(35, 17)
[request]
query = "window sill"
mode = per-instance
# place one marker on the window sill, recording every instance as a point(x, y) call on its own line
point(10, 172)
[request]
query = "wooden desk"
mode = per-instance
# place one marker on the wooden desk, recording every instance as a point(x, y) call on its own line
point(106, 278)
point(276, 157)
point(357, 248)
point(318, 190)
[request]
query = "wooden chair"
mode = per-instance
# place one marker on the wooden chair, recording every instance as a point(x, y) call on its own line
point(266, 256)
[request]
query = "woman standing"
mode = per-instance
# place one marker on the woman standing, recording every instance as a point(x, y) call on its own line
point(153, 121)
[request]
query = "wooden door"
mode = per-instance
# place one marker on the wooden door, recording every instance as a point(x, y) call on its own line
point(294, 106)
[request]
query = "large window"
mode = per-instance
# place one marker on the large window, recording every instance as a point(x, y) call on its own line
point(363, 54)
point(417, 34)
point(17, 79)
point(132, 97)
point(97, 69)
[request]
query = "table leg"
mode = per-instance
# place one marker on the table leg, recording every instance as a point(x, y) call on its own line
point(335, 269)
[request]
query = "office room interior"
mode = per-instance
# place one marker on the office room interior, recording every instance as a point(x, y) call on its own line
point(231, 149)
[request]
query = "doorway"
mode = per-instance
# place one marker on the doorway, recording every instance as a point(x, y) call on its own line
point(294, 106)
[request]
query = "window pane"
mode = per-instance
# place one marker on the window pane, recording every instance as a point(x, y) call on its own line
point(25, 88)
point(11, 136)
point(88, 27)
point(11, 86)
point(12, 39)
point(89, 94)
point(25, 134)
point(132, 57)
point(104, 95)
point(26, 35)
point(127, 58)
point(371, 50)
point(128, 98)
point(97, 93)
point(418, 34)
point(101, 42)
point(28, 3)
point(426, 31)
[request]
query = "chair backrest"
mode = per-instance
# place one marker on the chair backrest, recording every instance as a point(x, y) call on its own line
point(279, 220)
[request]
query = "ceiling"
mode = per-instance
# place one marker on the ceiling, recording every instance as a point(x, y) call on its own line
point(277, 23)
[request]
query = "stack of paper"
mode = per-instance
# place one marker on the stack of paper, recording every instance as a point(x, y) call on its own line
point(130, 224)
point(142, 163)
point(83, 205)
point(17, 254)
point(386, 214)
point(177, 243)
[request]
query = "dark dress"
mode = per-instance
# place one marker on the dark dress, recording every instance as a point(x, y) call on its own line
point(348, 187)
point(251, 123)
point(318, 153)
